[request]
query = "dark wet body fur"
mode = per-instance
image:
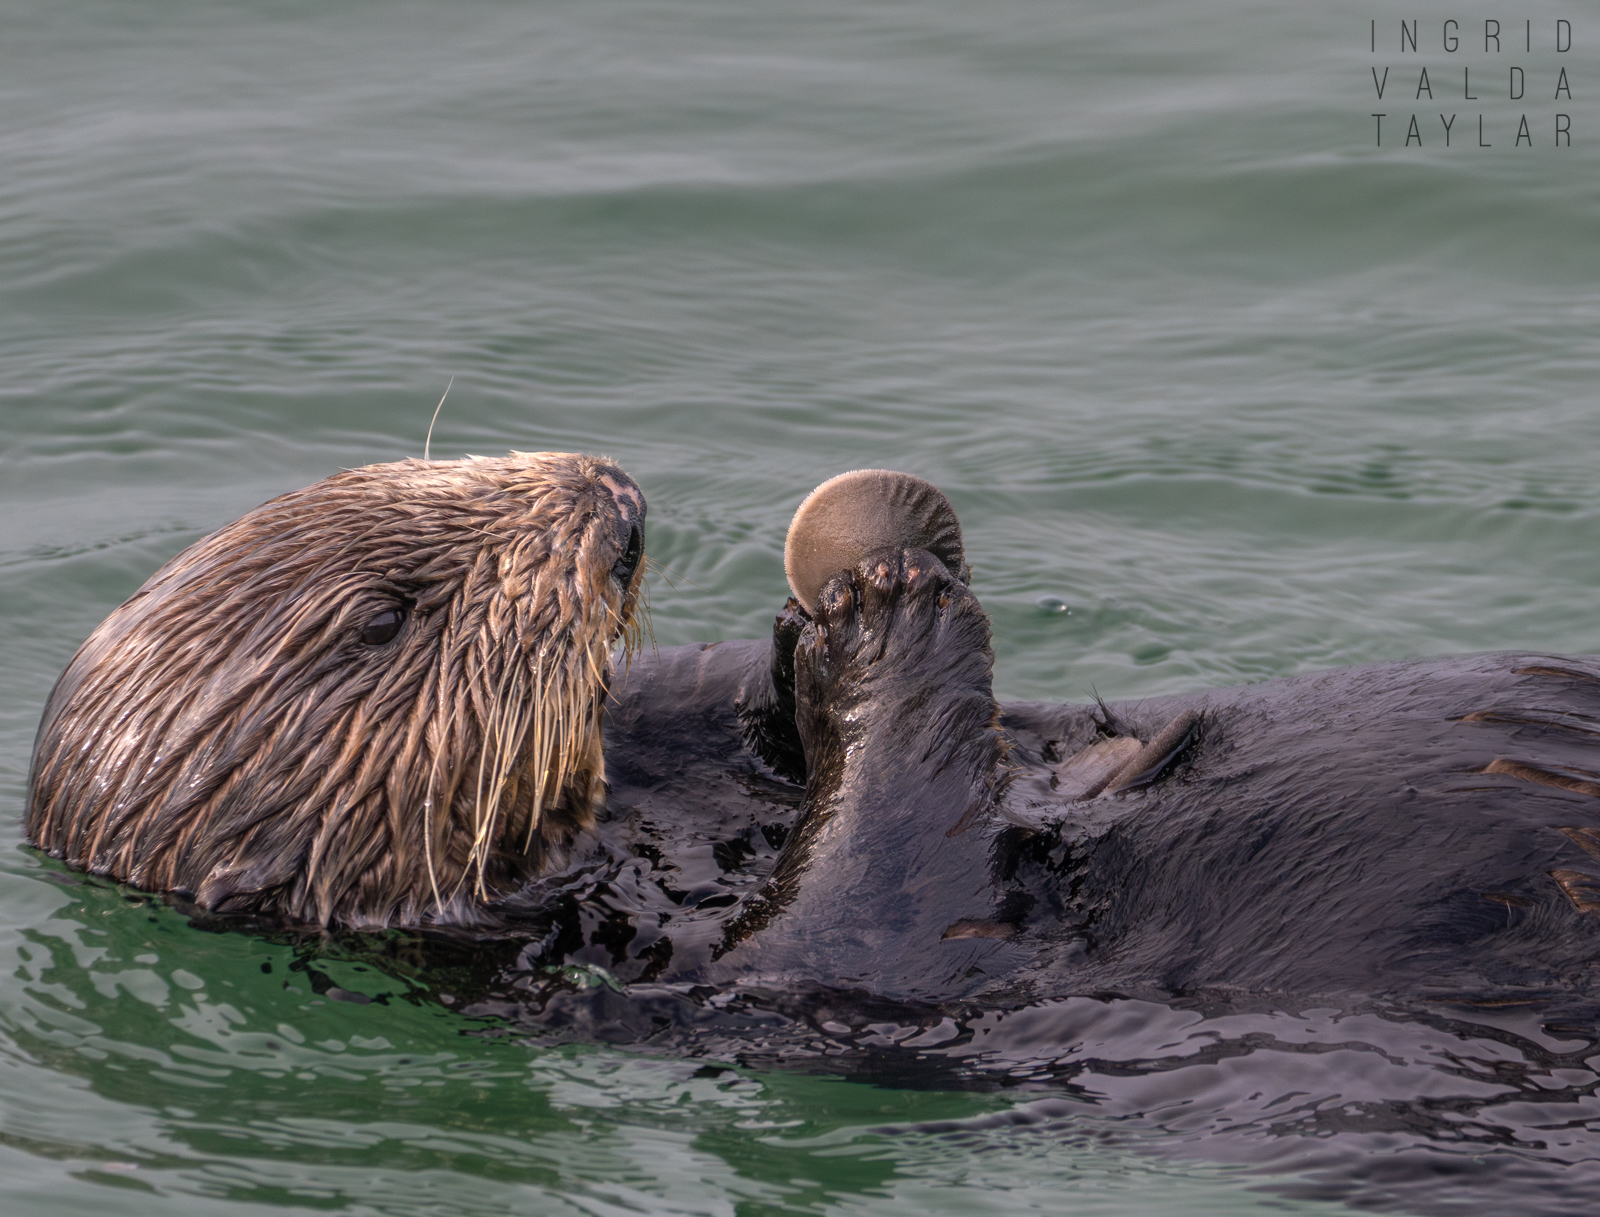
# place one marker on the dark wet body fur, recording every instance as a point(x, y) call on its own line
point(1327, 836)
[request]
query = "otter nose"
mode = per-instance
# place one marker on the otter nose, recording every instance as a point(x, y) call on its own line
point(622, 570)
point(627, 494)
point(630, 527)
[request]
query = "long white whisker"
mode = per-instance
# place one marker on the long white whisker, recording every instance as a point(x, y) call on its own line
point(427, 444)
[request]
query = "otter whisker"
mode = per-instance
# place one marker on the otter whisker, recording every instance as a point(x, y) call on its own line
point(510, 746)
point(670, 574)
point(427, 813)
point(539, 750)
point(427, 443)
point(509, 726)
point(482, 822)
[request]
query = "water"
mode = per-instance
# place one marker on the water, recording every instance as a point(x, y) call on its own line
point(1221, 391)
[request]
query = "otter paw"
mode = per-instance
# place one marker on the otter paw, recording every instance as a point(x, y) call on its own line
point(898, 624)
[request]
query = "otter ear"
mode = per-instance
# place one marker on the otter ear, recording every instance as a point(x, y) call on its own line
point(857, 514)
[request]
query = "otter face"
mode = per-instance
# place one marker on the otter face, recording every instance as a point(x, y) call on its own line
point(373, 701)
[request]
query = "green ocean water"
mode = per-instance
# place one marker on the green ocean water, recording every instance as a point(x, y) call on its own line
point(1221, 389)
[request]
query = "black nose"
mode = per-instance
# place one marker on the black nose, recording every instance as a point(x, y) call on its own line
point(623, 570)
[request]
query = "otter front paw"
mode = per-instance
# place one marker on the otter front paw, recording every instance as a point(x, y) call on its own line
point(897, 644)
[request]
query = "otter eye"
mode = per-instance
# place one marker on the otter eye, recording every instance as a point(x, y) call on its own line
point(383, 627)
point(622, 572)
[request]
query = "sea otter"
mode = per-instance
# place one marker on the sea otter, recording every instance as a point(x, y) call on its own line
point(379, 701)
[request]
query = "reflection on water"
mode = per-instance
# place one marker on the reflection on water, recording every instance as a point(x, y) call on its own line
point(148, 1055)
point(152, 1055)
point(1427, 1110)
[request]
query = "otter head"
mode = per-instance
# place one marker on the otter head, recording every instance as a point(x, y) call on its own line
point(373, 701)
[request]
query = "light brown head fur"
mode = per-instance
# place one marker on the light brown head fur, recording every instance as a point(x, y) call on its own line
point(374, 701)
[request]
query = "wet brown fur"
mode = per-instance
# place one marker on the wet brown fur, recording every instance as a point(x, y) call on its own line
point(228, 733)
